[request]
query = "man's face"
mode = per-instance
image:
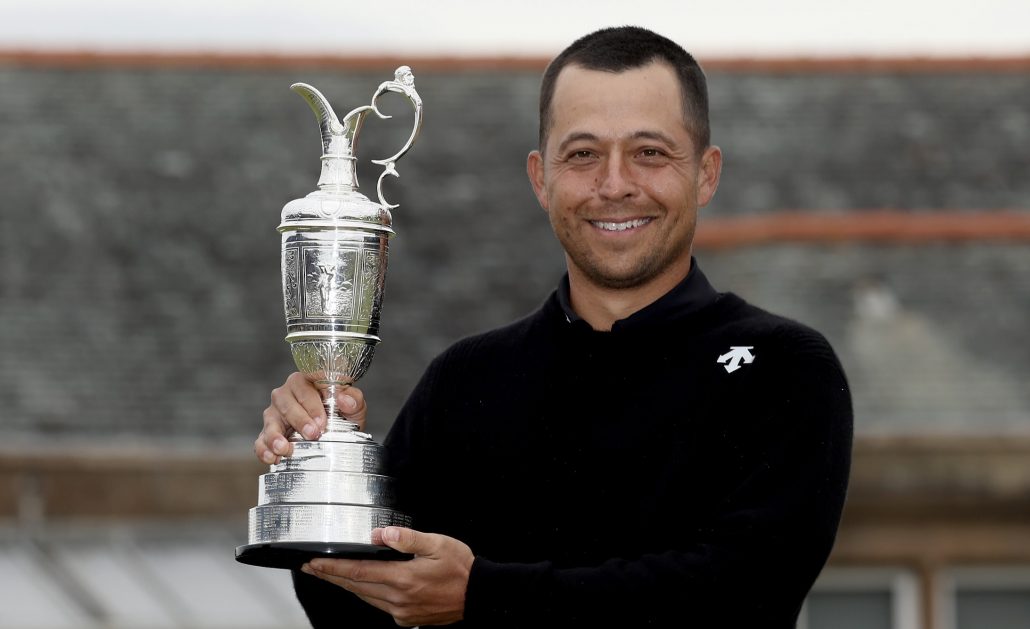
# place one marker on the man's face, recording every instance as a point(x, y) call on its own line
point(621, 177)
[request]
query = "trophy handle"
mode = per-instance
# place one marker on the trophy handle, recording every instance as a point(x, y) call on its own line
point(403, 83)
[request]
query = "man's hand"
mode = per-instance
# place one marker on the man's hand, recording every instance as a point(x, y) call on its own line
point(297, 407)
point(428, 590)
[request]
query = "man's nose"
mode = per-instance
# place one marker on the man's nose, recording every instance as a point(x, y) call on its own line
point(616, 179)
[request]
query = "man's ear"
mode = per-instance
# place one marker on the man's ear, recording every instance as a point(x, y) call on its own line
point(708, 175)
point(535, 170)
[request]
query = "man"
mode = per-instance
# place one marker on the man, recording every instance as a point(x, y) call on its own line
point(641, 451)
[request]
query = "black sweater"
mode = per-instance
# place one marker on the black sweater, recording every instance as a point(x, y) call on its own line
point(625, 478)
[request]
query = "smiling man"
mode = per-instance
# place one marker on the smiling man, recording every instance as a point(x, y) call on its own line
point(622, 177)
point(641, 451)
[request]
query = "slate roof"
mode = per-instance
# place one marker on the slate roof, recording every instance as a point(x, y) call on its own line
point(931, 336)
point(139, 273)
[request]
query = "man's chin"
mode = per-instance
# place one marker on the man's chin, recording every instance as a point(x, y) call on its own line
point(617, 279)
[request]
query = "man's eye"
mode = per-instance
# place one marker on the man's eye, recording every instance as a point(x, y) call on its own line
point(651, 153)
point(581, 155)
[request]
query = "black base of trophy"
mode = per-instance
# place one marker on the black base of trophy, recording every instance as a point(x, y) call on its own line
point(293, 555)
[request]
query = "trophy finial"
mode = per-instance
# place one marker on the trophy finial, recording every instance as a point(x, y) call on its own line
point(339, 139)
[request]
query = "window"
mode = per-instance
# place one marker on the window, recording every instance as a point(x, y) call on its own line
point(862, 598)
point(997, 597)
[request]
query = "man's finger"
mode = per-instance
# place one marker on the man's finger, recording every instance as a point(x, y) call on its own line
point(265, 455)
point(351, 402)
point(271, 442)
point(388, 573)
point(376, 594)
point(295, 415)
point(274, 435)
point(308, 397)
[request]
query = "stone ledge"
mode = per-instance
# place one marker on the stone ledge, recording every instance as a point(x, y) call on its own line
point(126, 484)
point(940, 478)
point(894, 479)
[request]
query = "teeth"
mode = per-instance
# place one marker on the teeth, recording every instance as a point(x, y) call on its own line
point(618, 227)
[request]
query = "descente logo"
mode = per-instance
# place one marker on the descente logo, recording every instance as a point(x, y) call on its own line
point(738, 354)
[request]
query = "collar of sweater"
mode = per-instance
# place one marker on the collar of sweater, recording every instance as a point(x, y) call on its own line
point(691, 295)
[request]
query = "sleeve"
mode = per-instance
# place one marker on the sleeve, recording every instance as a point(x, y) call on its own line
point(751, 564)
point(327, 605)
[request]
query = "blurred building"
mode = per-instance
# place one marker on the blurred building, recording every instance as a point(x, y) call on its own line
point(885, 203)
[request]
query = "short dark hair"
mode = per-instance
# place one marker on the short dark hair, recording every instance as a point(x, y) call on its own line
point(622, 48)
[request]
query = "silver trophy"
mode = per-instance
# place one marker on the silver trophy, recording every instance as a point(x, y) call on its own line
point(326, 498)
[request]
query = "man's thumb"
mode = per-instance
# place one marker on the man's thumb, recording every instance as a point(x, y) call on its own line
point(407, 540)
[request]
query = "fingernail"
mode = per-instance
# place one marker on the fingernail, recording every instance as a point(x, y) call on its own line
point(348, 403)
point(391, 534)
point(319, 422)
point(310, 431)
point(268, 457)
point(280, 445)
point(306, 568)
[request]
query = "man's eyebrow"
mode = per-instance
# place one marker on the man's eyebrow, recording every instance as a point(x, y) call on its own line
point(646, 134)
point(655, 135)
point(576, 137)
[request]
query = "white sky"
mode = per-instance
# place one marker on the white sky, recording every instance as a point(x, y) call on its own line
point(519, 27)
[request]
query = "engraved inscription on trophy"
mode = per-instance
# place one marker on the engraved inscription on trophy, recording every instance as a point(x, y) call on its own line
point(326, 499)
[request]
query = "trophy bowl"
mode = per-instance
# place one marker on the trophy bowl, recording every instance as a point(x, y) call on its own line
point(325, 499)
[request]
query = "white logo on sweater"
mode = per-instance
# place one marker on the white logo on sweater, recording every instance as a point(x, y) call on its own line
point(732, 359)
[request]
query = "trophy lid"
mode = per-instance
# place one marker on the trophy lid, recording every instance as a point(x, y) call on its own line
point(337, 202)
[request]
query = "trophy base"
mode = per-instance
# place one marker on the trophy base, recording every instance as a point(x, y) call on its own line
point(293, 555)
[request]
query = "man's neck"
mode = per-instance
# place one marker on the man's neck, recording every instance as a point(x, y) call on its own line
point(602, 306)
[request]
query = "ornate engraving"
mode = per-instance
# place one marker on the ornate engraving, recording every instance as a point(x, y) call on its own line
point(371, 290)
point(291, 288)
point(330, 207)
point(329, 282)
point(333, 361)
